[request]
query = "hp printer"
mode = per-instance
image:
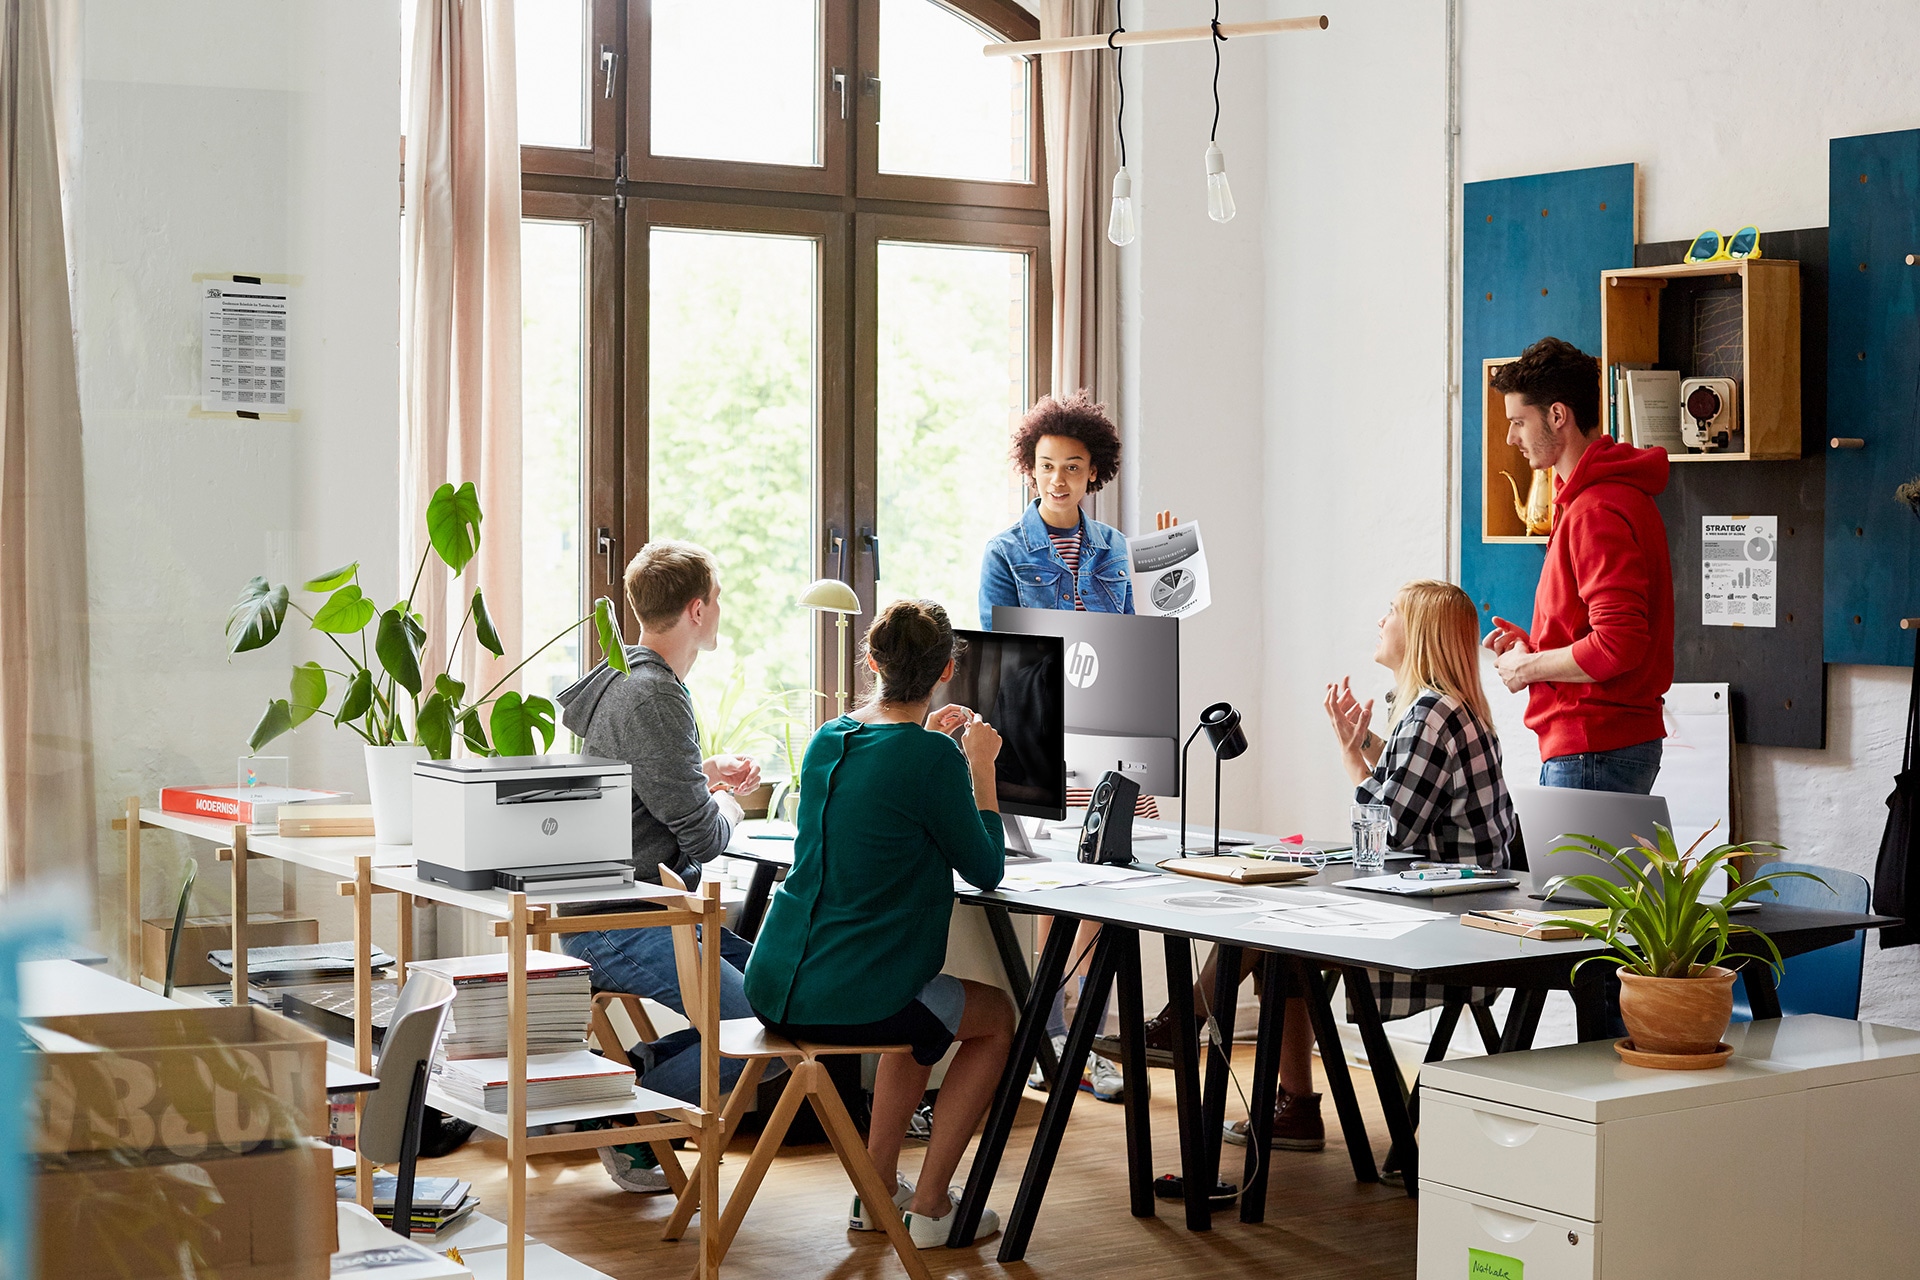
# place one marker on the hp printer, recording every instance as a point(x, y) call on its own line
point(479, 815)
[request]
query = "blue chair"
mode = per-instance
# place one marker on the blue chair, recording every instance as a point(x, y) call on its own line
point(1824, 981)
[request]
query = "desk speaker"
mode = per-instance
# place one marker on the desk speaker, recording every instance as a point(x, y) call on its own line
point(1107, 835)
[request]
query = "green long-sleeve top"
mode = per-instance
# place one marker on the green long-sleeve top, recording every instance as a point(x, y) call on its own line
point(860, 923)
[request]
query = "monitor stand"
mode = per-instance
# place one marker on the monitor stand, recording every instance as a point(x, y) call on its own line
point(1019, 841)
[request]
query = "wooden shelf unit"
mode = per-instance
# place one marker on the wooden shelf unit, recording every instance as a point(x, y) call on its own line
point(1769, 399)
point(1499, 522)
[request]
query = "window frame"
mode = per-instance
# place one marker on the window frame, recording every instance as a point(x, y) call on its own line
point(845, 204)
point(1000, 16)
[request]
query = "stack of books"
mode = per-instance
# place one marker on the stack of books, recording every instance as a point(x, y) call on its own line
point(327, 1007)
point(577, 1079)
point(438, 1203)
point(258, 807)
point(559, 1003)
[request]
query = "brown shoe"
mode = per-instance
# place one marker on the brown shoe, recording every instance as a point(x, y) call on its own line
point(1296, 1124)
point(1159, 1040)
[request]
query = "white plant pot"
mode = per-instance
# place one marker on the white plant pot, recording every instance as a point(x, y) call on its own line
point(390, 791)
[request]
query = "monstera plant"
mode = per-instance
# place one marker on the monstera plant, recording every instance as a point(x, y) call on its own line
point(383, 694)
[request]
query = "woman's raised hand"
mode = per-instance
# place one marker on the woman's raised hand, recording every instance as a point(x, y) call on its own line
point(981, 741)
point(949, 718)
point(1351, 719)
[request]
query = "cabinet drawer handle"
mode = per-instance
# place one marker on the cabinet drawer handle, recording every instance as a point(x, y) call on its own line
point(1504, 1130)
point(1504, 1227)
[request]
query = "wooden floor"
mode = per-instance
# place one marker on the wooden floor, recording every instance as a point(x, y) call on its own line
point(1321, 1224)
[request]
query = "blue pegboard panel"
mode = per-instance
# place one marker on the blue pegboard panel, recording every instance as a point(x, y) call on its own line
point(1873, 394)
point(1533, 249)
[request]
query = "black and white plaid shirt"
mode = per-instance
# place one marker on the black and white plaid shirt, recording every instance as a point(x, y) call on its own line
point(1440, 776)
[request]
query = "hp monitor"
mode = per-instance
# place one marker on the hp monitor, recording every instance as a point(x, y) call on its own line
point(1122, 694)
point(1016, 682)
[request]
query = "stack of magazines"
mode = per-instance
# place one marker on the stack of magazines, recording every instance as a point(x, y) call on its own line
point(438, 1203)
point(559, 1003)
point(577, 1079)
point(308, 962)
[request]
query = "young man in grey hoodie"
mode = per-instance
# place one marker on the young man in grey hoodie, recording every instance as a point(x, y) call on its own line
point(683, 809)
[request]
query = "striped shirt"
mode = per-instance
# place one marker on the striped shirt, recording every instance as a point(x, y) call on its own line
point(1067, 547)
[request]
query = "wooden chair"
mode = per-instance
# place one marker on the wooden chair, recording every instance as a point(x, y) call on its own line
point(747, 1040)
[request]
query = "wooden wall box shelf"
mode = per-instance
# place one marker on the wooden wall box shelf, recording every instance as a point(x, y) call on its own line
point(1499, 522)
point(1631, 332)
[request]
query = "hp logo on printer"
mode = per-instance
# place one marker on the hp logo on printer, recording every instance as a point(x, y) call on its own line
point(549, 825)
point(1083, 665)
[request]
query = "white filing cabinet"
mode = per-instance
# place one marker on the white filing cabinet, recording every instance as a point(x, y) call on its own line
point(1799, 1158)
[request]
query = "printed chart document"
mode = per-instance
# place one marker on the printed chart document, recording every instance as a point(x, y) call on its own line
point(1170, 572)
point(1349, 919)
point(243, 347)
point(1739, 563)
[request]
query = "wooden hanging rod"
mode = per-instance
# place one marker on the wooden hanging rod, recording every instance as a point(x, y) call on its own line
point(1910, 624)
point(1167, 35)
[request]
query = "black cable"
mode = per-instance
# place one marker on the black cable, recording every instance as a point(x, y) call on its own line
point(1217, 39)
point(1120, 81)
point(1226, 1054)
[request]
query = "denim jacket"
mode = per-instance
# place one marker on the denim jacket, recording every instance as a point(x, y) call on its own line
point(1020, 568)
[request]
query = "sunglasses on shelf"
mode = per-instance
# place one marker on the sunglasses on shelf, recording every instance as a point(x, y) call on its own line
point(1711, 246)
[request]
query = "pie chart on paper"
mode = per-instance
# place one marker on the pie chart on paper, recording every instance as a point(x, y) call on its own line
point(1173, 590)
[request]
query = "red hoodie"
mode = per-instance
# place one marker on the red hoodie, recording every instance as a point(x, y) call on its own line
point(1607, 590)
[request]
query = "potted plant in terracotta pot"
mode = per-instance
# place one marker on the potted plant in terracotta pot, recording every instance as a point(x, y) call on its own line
point(1675, 996)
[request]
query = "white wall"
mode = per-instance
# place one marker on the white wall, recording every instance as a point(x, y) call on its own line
point(1192, 325)
point(1354, 370)
point(227, 135)
point(1744, 143)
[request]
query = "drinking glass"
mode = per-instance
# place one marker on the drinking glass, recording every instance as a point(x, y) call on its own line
point(1371, 823)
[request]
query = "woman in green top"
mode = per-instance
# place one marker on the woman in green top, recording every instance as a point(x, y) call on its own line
point(854, 939)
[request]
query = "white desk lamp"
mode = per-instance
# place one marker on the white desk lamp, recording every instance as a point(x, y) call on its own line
point(830, 595)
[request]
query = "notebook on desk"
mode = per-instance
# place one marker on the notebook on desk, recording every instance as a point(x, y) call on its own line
point(1238, 870)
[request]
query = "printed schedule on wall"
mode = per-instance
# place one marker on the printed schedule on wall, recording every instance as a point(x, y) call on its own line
point(1739, 559)
point(243, 346)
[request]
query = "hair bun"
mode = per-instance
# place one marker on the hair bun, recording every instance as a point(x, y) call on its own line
point(911, 642)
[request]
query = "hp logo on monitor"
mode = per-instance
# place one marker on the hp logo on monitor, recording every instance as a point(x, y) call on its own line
point(1083, 665)
point(549, 825)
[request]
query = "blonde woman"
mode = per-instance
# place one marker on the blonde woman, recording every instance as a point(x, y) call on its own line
point(1438, 772)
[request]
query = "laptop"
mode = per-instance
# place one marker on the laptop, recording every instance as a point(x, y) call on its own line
point(1552, 816)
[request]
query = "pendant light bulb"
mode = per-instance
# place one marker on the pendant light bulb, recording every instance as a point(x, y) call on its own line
point(1121, 227)
point(1219, 194)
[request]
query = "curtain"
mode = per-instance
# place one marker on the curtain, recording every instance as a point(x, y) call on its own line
point(46, 756)
point(460, 310)
point(1077, 106)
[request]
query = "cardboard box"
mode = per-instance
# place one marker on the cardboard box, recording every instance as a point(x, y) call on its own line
point(215, 933)
point(265, 1216)
point(189, 1082)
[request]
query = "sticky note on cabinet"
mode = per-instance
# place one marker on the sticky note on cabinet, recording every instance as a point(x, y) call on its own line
point(1482, 1265)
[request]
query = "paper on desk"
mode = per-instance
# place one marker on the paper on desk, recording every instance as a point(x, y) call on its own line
point(1170, 572)
point(1032, 877)
point(1348, 920)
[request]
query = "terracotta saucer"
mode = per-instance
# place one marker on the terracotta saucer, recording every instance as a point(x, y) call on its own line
point(1672, 1061)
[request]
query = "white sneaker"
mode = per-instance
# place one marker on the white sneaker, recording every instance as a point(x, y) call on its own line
point(857, 1219)
point(931, 1233)
point(1037, 1078)
point(1103, 1079)
point(629, 1174)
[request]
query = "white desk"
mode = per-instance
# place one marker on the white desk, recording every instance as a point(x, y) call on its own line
point(65, 988)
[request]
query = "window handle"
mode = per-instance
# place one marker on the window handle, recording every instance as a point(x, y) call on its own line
point(603, 545)
point(837, 547)
point(608, 60)
point(872, 541)
point(871, 88)
point(839, 81)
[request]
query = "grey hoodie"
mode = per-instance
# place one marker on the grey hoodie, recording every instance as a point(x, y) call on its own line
point(646, 719)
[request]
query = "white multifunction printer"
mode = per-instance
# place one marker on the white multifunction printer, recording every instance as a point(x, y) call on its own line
point(479, 818)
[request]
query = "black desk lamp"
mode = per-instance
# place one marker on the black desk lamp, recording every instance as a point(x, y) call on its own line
point(1222, 723)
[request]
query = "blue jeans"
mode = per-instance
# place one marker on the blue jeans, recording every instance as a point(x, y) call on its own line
point(1622, 769)
point(640, 962)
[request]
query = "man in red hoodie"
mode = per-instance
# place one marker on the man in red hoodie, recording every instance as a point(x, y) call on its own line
point(1599, 656)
